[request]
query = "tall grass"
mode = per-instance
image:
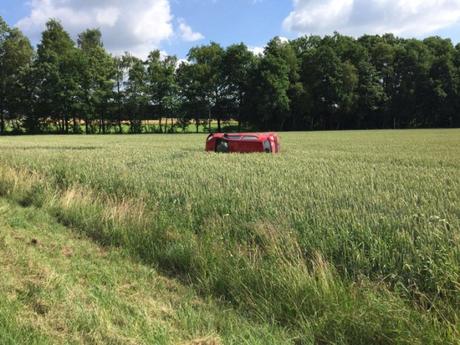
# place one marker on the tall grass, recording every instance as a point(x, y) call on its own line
point(57, 287)
point(350, 237)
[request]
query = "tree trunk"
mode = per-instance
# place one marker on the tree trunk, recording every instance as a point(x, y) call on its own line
point(294, 121)
point(86, 114)
point(219, 129)
point(66, 123)
point(102, 122)
point(86, 124)
point(2, 115)
point(60, 125)
point(209, 120)
point(120, 129)
point(161, 128)
point(240, 101)
point(2, 121)
point(74, 123)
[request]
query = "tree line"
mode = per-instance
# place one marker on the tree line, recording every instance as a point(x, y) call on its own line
point(309, 83)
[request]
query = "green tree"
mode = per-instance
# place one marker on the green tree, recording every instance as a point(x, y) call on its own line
point(456, 122)
point(120, 75)
point(15, 56)
point(382, 54)
point(3, 35)
point(137, 97)
point(208, 76)
point(331, 82)
point(412, 83)
point(302, 98)
point(272, 80)
point(162, 85)
point(237, 64)
point(56, 77)
point(440, 110)
point(99, 74)
point(321, 73)
point(193, 101)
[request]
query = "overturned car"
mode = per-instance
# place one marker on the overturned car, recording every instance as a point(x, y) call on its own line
point(243, 142)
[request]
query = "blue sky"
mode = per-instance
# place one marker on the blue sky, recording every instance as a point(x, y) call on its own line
point(174, 26)
point(234, 21)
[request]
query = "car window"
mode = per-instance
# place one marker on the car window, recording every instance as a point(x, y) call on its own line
point(250, 138)
point(222, 146)
point(267, 146)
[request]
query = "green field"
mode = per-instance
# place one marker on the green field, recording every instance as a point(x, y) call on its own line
point(343, 238)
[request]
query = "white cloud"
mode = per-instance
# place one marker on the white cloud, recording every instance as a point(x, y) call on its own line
point(257, 50)
point(283, 39)
point(137, 26)
point(356, 17)
point(108, 16)
point(182, 61)
point(186, 32)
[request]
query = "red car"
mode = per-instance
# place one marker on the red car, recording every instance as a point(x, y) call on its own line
point(243, 142)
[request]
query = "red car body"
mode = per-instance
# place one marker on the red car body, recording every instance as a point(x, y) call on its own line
point(243, 142)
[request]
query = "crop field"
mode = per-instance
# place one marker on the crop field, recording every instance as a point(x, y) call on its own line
point(343, 238)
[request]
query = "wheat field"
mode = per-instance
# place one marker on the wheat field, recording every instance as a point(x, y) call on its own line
point(343, 238)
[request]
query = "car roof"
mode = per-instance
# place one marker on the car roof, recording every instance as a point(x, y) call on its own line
point(261, 136)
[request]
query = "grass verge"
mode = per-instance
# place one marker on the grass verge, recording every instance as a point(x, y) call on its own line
point(58, 287)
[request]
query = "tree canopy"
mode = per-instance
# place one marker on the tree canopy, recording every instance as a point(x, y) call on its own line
point(310, 83)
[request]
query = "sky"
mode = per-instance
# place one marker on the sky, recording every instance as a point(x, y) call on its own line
point(174, 26)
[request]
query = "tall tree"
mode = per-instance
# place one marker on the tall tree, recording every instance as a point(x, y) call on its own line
point(441, 110)
point(162, 85)
point(120, 75)
point(237, 64)
point(412, 66)
point(271, 85)
point(193, 101)
point(382, 54)
point(136, 92)
point(209, 77)
point(15, 55)
point(55, 76)
point(99, 73)
point(456, 122)
point(331, 82)
point(3, 35)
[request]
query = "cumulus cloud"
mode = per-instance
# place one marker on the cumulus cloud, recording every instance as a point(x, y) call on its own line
point(137, 26)
point(356, 17)
point(186, 32)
